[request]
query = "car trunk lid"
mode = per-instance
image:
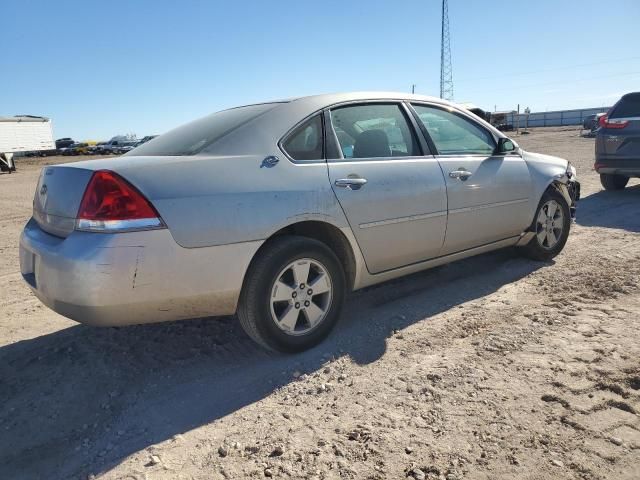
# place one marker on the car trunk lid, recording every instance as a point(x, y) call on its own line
point(57, 198)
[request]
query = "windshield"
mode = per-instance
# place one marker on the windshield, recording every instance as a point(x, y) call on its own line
point(191, 138)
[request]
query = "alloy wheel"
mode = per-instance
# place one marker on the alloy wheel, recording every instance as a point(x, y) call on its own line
point(301, 295)
point(549, 224)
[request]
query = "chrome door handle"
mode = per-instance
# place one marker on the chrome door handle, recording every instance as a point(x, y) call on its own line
point(351, 183)
point(460, 173)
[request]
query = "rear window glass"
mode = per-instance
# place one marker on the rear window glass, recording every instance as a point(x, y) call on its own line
point(191, 138)
point(305, 142)
point(628, 106)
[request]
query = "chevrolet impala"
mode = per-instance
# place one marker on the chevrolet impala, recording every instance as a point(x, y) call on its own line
point(275, 211)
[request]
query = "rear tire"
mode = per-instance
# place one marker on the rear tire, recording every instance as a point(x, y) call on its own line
point(551, 225)
point(613, 182)
point(278, 307)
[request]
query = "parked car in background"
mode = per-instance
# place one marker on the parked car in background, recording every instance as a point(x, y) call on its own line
point(483, 114)
point(64, 143)
point(276, 211)
point(118, 145)
point(591, 122)
point(618, 143)
point(95, 149)
point(505, 127)
point(42, 153)
point(82, 149)
point(145, 139)
point(125, 146)
point(76, 149)
point(111, 146)
point(108, 147)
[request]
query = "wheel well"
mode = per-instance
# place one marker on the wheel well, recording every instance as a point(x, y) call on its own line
point(554, 186)
point(562, 189)
point(331, 236)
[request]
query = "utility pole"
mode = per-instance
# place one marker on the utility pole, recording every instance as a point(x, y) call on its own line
point(446, 70)
point(413, 88)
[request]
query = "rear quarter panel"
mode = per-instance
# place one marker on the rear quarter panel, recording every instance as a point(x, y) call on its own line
point(217, 200)
point(224, 195)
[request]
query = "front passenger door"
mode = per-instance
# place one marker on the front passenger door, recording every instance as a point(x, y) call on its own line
point(488, 194)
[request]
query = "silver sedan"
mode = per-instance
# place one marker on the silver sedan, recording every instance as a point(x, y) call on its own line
point(275, 211)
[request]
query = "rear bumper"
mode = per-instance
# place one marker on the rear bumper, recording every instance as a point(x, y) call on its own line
point(131, 278)
point(629, 167)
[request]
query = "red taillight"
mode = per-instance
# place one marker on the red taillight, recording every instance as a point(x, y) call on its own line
point(112, 203)
point(110, 197)
point(604, 122)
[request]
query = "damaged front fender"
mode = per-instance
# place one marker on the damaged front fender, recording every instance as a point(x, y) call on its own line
point(546, 171)
point(568, 185)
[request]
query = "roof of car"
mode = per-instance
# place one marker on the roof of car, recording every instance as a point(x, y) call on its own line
point(371, 95)
point(332, 98)
point(284, 115)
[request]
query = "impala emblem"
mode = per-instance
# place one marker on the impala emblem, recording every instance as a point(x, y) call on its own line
point(43, 190)
point(270, 161)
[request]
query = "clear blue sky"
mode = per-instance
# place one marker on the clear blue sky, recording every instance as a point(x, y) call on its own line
point(101, 68)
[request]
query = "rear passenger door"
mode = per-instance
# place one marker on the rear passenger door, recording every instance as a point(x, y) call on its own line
point(488, 194)
point(392, 193)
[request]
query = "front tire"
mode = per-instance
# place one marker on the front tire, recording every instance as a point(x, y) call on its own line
point(551, 225)
point(292, 295)
point(613, 182)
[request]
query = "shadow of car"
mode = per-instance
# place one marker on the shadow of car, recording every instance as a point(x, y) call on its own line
point(621, 209)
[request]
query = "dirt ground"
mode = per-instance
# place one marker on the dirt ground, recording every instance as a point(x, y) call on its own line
point(492, 367)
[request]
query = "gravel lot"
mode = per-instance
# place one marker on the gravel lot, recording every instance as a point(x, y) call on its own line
point(492, 367)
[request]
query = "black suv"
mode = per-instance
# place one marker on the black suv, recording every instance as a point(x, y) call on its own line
point(64, 142)
point(618, 143)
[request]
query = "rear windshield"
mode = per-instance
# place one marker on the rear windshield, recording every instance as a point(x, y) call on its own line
point(191, 138)
point(628, 106)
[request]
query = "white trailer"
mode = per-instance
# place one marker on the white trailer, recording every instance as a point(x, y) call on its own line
point(23, 134)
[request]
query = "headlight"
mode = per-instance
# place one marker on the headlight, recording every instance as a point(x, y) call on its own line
point(571, 171)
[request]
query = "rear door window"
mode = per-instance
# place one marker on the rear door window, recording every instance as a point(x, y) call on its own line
point(374, 130)
point(628, 106)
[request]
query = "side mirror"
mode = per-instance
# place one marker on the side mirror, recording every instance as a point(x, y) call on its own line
point(505, 145)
